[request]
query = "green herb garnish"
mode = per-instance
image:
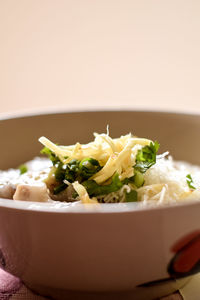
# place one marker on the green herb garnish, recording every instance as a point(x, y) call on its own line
point(82, 170)
point(50, 155)
point(72, 170)
point(138, 179)
point(190, 182)
point(23, 169)
point(88, 167)
point(59, 172)
point(146, 157)
point(131, 196)
point(59, 188)
point(67, 172)
point(94, 189)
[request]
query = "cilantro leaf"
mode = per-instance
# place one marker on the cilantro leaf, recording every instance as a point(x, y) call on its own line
point(190, 182)
point(23, 169)
point(95, 189)
point(146, 157)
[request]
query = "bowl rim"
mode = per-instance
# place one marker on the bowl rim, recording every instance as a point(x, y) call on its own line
point(85, 209)
point(52, 111)
point(65, 208)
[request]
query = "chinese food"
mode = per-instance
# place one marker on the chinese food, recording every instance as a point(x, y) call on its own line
point(106, 170)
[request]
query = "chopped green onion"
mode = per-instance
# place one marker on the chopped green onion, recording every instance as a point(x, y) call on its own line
point(50, 155)
point(89, 167)
point(138, 179)
point(73, 165)
point(59, 172)
point(72, 170)
point(59, 188)
point(190, 182)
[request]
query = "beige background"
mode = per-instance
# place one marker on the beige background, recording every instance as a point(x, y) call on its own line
point(99, 53)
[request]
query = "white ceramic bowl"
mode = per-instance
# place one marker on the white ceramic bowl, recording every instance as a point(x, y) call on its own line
point(119, 247)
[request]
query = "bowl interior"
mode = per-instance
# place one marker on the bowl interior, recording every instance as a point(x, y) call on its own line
point(176, 133)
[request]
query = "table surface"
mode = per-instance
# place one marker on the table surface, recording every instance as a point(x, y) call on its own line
point(12, 288)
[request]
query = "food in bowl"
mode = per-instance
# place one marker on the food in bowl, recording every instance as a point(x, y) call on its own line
point(106, 170)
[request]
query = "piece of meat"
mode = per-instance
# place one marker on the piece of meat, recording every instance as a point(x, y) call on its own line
point(12, 182)
point(33, 193)
point(8, 181)
point(7, 191)
point(64, 196)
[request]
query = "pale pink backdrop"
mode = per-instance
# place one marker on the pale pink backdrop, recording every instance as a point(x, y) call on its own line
point(77, 54)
